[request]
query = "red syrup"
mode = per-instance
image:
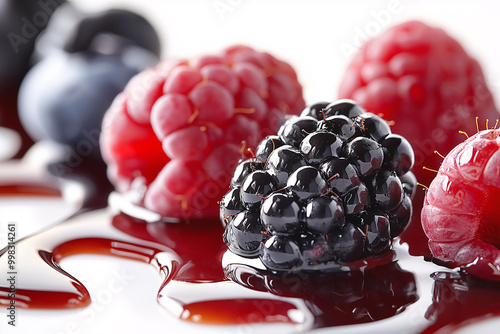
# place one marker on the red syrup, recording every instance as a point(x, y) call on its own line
point(200, 285)
point(29, 189)
point(196, 287)
point(459, 300)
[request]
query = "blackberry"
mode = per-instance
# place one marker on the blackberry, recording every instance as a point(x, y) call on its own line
point(333, 187)
point(244, 168)
point(269, 144)
point(341, 125)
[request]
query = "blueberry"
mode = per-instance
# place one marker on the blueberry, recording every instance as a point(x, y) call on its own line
point(21, 22)
point(19, 34)
point(83, 66)
point(127, 25)
point(64, 97)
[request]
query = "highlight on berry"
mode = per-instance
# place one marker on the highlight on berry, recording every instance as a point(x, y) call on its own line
point(332, 187)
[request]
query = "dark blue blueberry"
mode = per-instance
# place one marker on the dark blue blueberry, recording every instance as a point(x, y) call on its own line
point(85, 60)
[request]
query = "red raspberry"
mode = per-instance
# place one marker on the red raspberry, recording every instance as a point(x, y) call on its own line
point(176, 131)
point(423, 80)
point(460, 214)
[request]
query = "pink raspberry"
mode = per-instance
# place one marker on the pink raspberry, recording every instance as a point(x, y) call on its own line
point(421, 79)
point(460, 214)
point(178, 130)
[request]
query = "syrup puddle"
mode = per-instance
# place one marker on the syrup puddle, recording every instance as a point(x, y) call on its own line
point(195, 285)
point(202, 283)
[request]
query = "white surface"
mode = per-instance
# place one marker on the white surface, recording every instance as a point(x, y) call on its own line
point(310, 36)
point(31, 214)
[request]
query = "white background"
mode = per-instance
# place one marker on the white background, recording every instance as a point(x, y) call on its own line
point(310, 34)
point(307, 34)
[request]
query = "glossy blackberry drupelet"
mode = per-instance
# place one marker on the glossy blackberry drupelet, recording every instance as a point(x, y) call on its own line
point(334, 186)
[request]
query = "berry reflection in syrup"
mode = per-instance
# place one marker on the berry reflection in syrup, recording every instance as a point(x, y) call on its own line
point(460, 299)
point(189, 255)
point(336, 299)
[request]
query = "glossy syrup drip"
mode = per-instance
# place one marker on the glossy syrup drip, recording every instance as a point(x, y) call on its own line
point(45, 285)
point(459, 299)
point(29, 189)
point(196, 287)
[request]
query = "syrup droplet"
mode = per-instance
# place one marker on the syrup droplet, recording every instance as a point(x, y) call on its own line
point(458, 300)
